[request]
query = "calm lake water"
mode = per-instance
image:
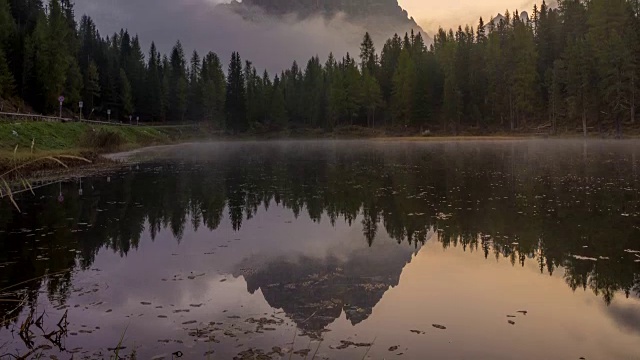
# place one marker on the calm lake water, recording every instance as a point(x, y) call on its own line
point(333, 250)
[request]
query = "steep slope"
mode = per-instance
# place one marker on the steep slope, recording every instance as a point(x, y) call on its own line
point(381, 18)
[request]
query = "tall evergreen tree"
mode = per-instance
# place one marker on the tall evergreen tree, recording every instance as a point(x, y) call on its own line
point(195, 100)
point(126, 97)
point(236, 106)
point(403, 87)
point(7, 29)
point(178, 87)
point(214, 89)
point(153, 104)
point(368, 57)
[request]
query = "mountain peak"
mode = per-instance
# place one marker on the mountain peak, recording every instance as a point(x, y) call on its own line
point(381, 18)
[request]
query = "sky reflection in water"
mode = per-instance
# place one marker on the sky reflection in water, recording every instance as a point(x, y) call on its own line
point(345, 241)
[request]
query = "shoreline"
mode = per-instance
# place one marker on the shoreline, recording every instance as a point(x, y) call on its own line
point(111, 159)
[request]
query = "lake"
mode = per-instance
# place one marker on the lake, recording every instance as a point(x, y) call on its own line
point(331, 250)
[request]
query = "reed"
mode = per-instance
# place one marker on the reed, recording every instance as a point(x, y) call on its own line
point(14, 174)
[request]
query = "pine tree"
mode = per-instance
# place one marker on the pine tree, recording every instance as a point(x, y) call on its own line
point(165, 92)
point(178, 87)
point(388, 65)
point(195, 87)
point(7, 30)
point(335, 92)
point(7, 83)
point(74, 84)
point(368, 59)
point(92, 84)
point(49, 58)
point(481, 36)
point(371, 97)
point(214, 89)
point(153, 104)
point(236, 106)
point(524, 73)
point(611, 35)
point(251, 94)
point(293, 93)
point(277, 109)
point(126, 98)
point(313, 84)
point(403, 88)
point(557, 94)
point(352, 89)
point(137, 74)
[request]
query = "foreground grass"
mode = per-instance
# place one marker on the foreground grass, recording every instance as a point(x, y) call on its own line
point(70, 136)
point(24, 142)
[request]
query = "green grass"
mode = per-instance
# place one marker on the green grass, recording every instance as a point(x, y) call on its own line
point(73, 137)
point(83, 140)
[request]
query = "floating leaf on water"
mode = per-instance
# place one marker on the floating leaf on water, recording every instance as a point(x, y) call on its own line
point(439, 327)
point(394, 348)
point(418, 332)
point(524, 312)
point(579, 257)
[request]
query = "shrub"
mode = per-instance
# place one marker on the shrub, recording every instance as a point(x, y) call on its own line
point(102, 139)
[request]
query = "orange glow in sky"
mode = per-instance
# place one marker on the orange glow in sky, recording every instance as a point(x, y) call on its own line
point(431, 14)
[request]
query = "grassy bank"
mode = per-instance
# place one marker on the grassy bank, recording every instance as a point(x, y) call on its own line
point(23, 142)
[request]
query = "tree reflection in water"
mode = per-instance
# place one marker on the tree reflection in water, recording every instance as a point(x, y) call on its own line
point(558, 205)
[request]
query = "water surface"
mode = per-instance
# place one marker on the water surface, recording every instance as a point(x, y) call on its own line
point(334, 250)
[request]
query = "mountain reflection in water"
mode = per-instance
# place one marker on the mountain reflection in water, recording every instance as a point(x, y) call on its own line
point(265, 212)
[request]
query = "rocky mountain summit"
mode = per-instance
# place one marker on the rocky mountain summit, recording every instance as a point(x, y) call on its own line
point(381, 18)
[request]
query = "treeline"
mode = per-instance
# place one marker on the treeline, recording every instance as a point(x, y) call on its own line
point(565, 68)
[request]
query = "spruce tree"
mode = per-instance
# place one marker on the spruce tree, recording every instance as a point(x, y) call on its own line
point(236, 106)
point(368, 59)
point(214, 89)
point(403, 87)
point(178, 87)
point(126, 98)
point(153, 102)
point(277, 108)
point(7, 30)
point(195, 100)
point(92, 85)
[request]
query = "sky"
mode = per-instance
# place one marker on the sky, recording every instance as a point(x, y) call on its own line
point(431, 14)
point(270, 44)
